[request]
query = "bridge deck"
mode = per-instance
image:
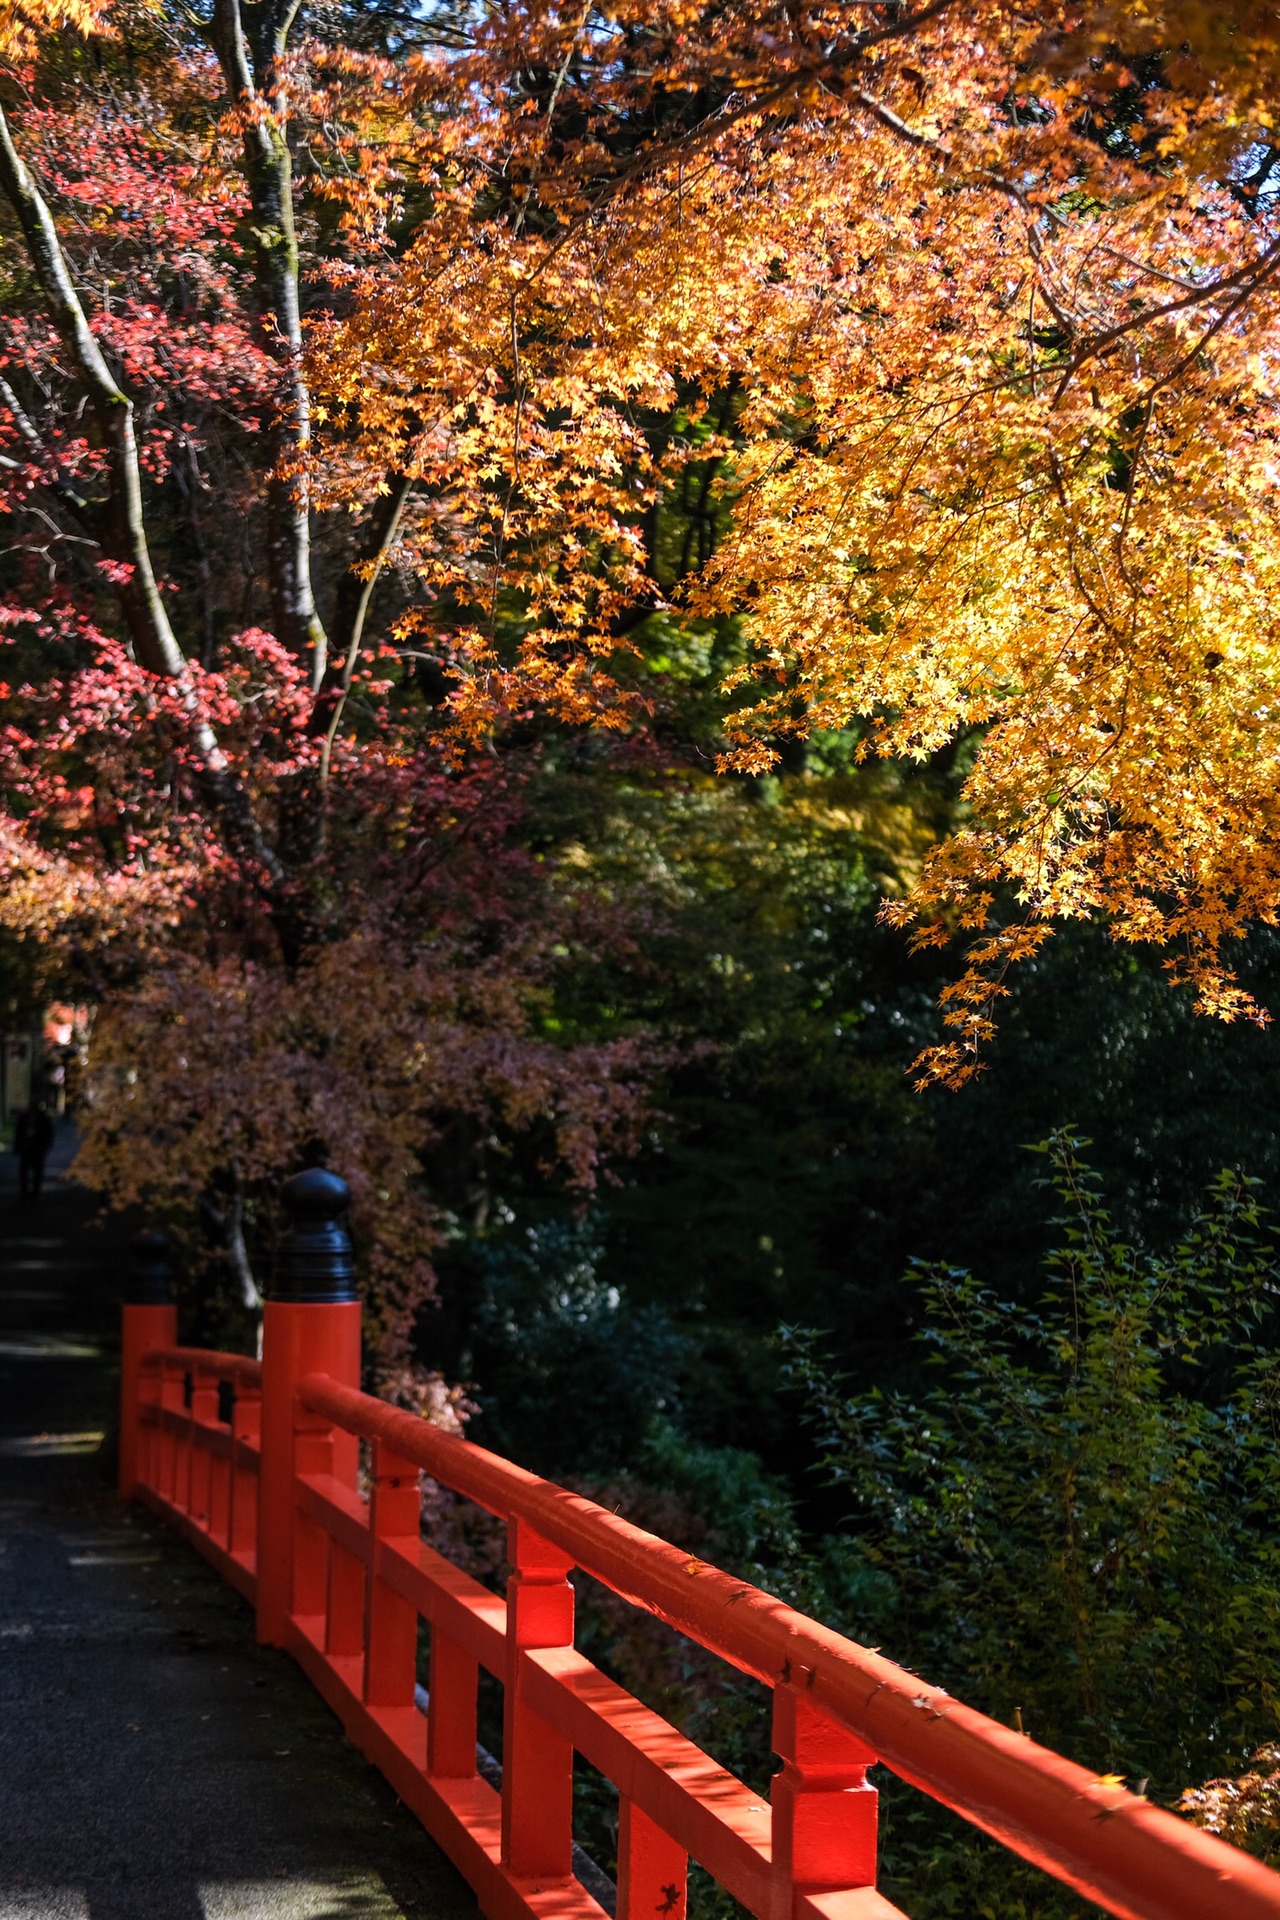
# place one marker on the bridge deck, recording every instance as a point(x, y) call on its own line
point(155, 1763)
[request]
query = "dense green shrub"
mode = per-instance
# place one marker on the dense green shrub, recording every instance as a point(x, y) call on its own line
point(569, 1372)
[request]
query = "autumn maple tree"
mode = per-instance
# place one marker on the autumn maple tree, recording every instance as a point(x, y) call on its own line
point(348, 359)
point(306, 932)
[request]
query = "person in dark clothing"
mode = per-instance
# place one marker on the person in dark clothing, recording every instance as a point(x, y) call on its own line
point(32, 1139)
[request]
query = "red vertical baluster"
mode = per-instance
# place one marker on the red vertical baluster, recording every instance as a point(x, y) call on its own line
point(391, 1641)
point(221, 1465)
point(824, 1812)
point(149, 1320)
point(185, 1457)
point(451, 1723)
point(204, 1415)
point(313, 1453)
point(171, 1408)
point(246, 1422)
point(311, 1325)
point(653, 1869)
point(348, 1583)
point(537, 1762)
point(146, 1463)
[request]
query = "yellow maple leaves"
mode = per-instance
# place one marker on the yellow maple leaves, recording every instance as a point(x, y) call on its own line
point(23, 21)
point(996, 301)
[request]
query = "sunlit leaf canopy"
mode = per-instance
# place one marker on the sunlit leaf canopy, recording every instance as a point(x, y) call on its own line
point(23, 21)
point(990, 292)
point(994, 289)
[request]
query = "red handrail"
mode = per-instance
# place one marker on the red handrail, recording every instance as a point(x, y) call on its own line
point(186, 1455)
point(1111, 1845)
point(226, 1366)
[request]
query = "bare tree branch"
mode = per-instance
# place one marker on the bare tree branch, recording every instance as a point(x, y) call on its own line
point(354, 596)
point(40, 456)
point(126, 537)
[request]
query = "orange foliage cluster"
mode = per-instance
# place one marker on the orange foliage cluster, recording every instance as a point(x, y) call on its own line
point(23, 21)
point(996, 290)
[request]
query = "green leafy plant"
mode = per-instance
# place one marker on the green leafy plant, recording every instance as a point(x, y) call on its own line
point(1078, 1519)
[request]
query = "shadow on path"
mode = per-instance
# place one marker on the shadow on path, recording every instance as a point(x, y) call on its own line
point(155, 1763)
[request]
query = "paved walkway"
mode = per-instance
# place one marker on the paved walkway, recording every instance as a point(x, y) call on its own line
point(155, 1763)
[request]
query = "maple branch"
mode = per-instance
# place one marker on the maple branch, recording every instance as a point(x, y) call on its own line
point(41, 457)
point(1261, 275)
point(556, 91)
point(268, 169)
point(355, 589)
point(354, 595)
point(1105, 623)
point(186, 474)
point(906, 23)
point(1249, 277)
point(709, 130)
point(893, 122)
point(1245, 279)
point(274, 21)
point(229, 1219)
point(231, 45)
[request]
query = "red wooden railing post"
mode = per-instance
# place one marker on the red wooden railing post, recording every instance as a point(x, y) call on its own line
point(222, 1465)
point(150, 1450)
point(824, 1812)
point(170, 1457)
point(204, 1408)
point(246, 1425)
point(451, 1725)
point(149, 1319)
point(311, 1324)
point(347, 1601)
point(311, 1598)
point(653, 1869)
point(391, 1633)
point(815, 1856)
point(537, 1762)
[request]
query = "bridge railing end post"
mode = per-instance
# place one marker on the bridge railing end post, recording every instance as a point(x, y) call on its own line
point(148, 1319)
point(310, 1324)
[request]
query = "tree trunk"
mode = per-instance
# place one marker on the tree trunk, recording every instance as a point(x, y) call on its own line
point(268, 170)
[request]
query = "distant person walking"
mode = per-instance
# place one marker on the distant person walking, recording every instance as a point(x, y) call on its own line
point(32, 1139)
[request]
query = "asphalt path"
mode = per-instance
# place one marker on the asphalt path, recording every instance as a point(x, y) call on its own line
point(155, 1763)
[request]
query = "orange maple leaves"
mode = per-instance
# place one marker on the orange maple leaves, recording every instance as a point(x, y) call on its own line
point(1000, 311)
point(23, 21)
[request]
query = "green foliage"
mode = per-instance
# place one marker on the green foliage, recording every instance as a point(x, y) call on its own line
point(790, 1172)
point(570, 1373)
point(749, 1514)
point(785, 1117)
point(1168, 1099)
point(1078, 1519)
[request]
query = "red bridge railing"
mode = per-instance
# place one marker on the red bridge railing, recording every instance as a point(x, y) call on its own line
point(257, 1465)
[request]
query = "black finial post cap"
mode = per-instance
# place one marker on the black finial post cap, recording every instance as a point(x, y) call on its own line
point(315, 1261)
point(150, 1277)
